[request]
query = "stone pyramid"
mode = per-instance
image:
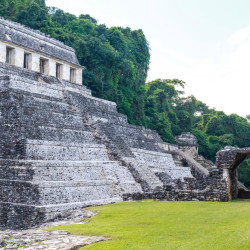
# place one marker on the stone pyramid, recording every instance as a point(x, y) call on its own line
point(62, 149)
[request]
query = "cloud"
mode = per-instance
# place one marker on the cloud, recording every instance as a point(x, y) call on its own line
point(240, 36)
point(221, 80)
point(226, 82)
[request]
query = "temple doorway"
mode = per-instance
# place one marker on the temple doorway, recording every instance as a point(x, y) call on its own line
point(244, 179)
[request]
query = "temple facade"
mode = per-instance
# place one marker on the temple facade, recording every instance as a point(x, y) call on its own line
point(33, 50)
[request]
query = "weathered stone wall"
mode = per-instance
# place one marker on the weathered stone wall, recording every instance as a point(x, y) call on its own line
point(227, 160)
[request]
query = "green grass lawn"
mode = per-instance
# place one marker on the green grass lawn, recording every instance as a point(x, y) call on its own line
point(169, 225)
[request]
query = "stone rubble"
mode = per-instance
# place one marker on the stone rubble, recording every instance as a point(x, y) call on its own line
point(38, 238)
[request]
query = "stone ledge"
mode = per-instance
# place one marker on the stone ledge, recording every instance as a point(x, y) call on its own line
point(55, 163)
point(63, 144)
point(65, 206)
point(64, 184)
point(36, 33)
point(144, 151)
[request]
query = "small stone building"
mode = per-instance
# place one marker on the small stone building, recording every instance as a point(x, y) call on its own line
point(188, 143)
point(32, 50)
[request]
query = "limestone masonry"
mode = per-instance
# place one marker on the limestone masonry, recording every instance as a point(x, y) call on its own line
point(30, 49)
point(63, 149)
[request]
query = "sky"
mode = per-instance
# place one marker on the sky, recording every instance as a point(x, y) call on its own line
point(204, 43)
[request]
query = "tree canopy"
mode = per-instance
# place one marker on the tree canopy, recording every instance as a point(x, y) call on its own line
point(116, 58)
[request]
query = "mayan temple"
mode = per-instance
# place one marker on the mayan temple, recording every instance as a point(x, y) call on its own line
point(63, 149)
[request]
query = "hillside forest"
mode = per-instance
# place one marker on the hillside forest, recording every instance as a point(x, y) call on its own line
point(117, 60)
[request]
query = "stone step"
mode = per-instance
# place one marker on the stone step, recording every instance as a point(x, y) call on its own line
point(106, 117)
point(57, 170)
point(10, 99)
point(56, 163)
point(59, 183)
point(36, 87)
point(61, 134)
point(77, 88)
point(7, 69)
point(60, 173)
point(45, 193)
point(117, 144)
point(41, 117)
point(144, 175)
point(34, 215)
point(54, 192)
point(64, 106)
point(46, 133)
point(58, 150)
point(191, 162)
point(94, 170)
point(161, 163)
point(179, 163)
point(66, 184)
point(86, 103)
point(154, 159)
point(63, 151)
point(53, 208)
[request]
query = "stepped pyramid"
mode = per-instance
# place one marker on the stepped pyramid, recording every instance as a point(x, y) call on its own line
point(63, 149)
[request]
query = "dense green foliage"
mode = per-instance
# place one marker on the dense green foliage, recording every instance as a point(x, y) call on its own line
point(160, 107)
point(169, 225)
point(170, 114)
point(116, 61)
point(244, 172)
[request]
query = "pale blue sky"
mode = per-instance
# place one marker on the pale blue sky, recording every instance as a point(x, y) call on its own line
point(203, 42)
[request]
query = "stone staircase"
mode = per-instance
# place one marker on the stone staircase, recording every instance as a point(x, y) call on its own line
point(69, 149)
point(145, 176)
point(54, 161)
point(194, 164)
point(178, 161)
point(117, 144)
point(242, 186)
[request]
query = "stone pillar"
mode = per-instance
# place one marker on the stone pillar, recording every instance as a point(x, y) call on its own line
point(226, 176)
point(79, 76)
point(35, 64)
point(234, 183)
point(2, 52)
point(228, 160)
point(66, 72)
point(51, 67)
point(19, 57)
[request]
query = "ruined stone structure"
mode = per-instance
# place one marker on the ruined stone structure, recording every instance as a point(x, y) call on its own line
point(229, 159)
point(63, 149)
point(188, 143)
point(30, 49)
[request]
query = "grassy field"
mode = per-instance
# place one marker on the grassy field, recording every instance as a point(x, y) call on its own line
point(169, 225)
